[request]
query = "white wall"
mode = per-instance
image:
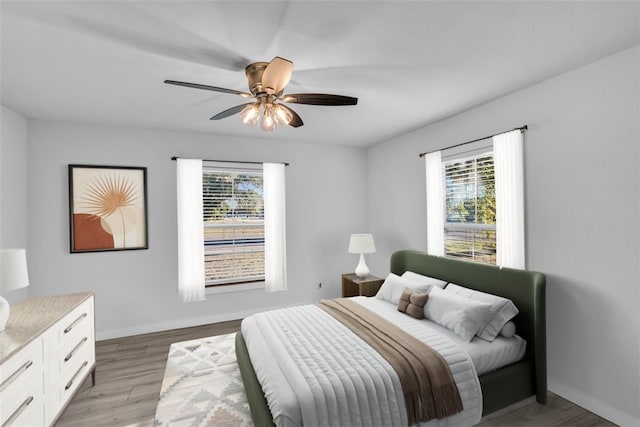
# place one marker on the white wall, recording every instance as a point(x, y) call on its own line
point(13, 187)
point(136, 291)
point(582, 212)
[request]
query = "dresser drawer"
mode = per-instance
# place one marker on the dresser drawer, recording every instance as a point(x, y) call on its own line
point(27, 360)
point(67, 358)
point(29, 383)
point(28, 412)
point(70, 328)
point(70, 375)
point(21, 385)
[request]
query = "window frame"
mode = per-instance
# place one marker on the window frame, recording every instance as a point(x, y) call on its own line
point(237, 283)
point(476, 150)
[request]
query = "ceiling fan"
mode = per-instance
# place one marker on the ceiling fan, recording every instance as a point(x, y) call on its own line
point(266, 83)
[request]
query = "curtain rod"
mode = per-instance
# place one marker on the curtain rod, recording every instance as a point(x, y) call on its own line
point(230, 161)
point(521, 129)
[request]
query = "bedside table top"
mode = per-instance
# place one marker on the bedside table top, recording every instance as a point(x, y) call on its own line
point(356, 279)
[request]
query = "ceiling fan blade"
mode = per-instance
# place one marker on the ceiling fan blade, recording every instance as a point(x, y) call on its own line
point(319, 99)
point(206, 87)
point(277, 74)
point(296, 121)
point(230, 112)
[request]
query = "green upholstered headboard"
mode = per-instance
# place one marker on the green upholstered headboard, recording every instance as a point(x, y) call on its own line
point(525, 288)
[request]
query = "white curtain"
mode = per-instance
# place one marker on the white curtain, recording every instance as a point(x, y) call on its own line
point(275, 236)
point(190, 231)
point(509, 176)
point(435, 204)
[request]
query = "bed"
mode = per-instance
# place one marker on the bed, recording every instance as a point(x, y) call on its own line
point(500, 387)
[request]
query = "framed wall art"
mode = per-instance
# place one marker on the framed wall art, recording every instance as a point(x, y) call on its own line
point(107, 208)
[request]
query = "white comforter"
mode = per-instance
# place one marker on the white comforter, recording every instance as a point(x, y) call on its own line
point(315, 372)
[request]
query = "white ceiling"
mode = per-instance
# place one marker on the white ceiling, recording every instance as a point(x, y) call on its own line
point(409, 63)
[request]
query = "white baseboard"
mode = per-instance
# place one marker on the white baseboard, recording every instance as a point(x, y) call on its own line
point(598, 407)
point(182, 323)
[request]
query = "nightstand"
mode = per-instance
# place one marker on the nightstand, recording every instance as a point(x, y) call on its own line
point(353, 286)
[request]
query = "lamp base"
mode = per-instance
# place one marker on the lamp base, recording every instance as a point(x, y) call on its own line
point(4, 312)
point(362, 270)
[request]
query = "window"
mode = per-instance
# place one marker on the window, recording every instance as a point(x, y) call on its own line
point(233, 217)
point(475, 200)
point(470, 207)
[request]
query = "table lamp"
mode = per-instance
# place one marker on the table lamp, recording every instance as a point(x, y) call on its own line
point(362, 244)
point(13, 275)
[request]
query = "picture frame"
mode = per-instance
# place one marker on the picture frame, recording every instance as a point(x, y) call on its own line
point(107, 208)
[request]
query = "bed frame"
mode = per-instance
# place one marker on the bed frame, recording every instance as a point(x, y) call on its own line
point(501, 387)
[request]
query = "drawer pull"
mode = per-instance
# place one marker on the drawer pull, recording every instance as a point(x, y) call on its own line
point(70, 355)
point(73, 378)
point(18, 411)
point(75, 322)
point(16, 374)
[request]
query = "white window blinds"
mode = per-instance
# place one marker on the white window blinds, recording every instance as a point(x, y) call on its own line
point(233, 217)
point(470, 207)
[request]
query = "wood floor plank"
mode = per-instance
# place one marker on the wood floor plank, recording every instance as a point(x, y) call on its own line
point(557, 412)
point(130, 370)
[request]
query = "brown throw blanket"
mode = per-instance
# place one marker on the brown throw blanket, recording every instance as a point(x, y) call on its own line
point(427, 383)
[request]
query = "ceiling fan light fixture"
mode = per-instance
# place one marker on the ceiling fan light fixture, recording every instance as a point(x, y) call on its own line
point(267, 81)
point(268, 123)
point(282, 115)
point(250, 114)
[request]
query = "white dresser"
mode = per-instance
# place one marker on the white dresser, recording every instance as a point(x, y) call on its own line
point(46, 352)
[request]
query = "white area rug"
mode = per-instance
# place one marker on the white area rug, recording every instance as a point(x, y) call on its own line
point(202, 386)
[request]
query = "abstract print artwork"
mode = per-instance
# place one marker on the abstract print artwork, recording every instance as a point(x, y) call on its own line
point(107, 208)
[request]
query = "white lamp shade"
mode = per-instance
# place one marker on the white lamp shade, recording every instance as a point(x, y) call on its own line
point(361, 244)
point(13, 269)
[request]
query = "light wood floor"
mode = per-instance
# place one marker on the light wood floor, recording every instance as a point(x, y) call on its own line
point(129, 374)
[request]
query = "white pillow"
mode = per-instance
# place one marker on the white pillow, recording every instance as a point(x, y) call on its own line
point(464, 316)
point(502, 309)
point(424, 279)
point(508, 330)
point(393, 285)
